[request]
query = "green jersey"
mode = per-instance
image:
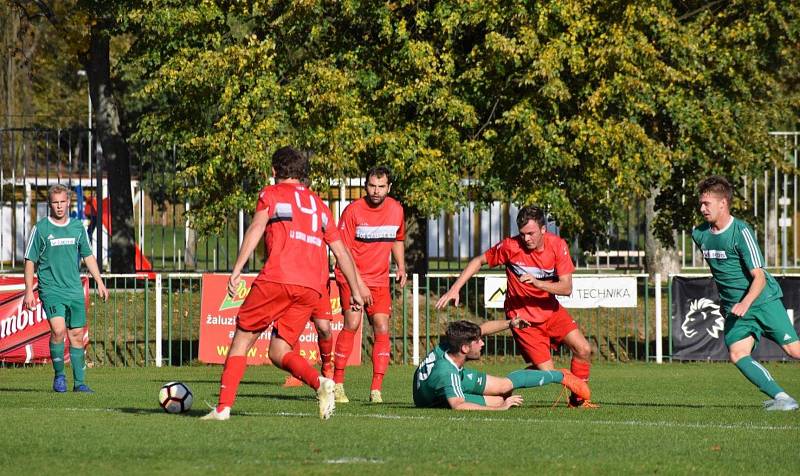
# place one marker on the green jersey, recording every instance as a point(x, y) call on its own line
point(731, 253)
point(438, 378)
point(57, 250)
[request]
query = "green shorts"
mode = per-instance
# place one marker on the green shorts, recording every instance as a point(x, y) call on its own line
point(72, 310)
point(473, 383)
point(768, 319)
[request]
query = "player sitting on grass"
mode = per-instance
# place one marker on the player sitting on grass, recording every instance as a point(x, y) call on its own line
point(441, 380)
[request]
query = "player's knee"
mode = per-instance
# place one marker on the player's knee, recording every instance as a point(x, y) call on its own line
point(324, 334)
point(736, 355)
point(583, 351)
point(793, 350)
point(58, 335)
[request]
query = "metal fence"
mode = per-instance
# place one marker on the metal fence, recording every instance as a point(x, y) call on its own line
point(154, 319)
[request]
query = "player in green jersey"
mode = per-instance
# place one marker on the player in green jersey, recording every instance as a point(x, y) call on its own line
point(441, 380)
point(751, 298)
point(55, 246)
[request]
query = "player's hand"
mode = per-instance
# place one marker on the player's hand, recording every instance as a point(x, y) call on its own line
point(528, 279)
point(402, 277)
point(519, 323)
point(365, 294)
point(450, 295)
point(102, 291)
point(740, 309)
point(233, 283)
point(29, 300)
point(356, 302)
point(512, 401)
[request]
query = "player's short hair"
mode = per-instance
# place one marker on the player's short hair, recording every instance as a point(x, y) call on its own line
point(57, 188)
point(460, 333)
point(717, 185)
point(289, 163)
point(528, 213)
point(378, 172)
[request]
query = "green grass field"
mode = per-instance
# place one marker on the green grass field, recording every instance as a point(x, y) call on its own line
point(669, 419)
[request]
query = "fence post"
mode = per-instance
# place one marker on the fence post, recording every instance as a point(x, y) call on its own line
point(159, 352)
point(415, 318)
point(659, 346)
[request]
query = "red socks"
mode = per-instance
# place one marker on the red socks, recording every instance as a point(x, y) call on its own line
point(229, 382)
point(580, 368)
point(325, 351)
point(381, 352)
point(344, 347)
point(300, 368)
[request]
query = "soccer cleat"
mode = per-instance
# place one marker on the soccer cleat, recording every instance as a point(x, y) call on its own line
point(781, 404)
point(327, 398)
point(578, 387)
point(375, 396)
point(60, 384)
point(225, 414)
point(82, 388)
point(341, 397)
point(292, 381)
point(580, 403)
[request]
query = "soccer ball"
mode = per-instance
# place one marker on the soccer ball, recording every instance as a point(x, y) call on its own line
point(175, 397)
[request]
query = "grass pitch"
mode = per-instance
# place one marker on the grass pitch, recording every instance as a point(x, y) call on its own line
point(669, 419)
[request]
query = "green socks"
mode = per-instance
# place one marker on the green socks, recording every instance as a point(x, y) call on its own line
point(534, 378)
point(57, 356)
point(78, 364)
point(758, 376)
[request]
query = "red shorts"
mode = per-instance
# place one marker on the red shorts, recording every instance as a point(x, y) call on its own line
point(323, 308)
point(381, 299)
point(536, 341)
point(286, 306)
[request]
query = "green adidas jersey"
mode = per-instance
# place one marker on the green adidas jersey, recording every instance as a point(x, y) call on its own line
point(56, 249)
point(731, 253)
point(437, 378)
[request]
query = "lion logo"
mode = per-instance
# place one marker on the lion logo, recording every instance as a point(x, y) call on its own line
point(703, 316)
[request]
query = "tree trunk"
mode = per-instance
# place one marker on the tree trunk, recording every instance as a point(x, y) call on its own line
point(416, 241)
point(115, 151)
point(659, 257)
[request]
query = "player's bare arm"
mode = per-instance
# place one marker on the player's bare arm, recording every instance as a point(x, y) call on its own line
point(756, 286)
point(461, 404)
point(94, 270)
point(472, 267)
point(399, 255)
point(30, 299)
point(562, 287)
point(500, 325)
point(251, 239)
point(366, 294)
point(349, 270)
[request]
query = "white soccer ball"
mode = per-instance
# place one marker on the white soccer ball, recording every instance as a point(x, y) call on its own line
point(175, 397)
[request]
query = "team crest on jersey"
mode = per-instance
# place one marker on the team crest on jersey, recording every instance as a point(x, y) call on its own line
point(703, 316)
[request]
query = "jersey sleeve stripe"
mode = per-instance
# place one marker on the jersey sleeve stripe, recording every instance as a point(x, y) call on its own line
point(30, 242)
point(753, 248)
point(456, 385)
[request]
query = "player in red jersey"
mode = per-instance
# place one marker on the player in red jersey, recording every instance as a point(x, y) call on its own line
point(372, 229)
point(538, 268)
point(295, 225)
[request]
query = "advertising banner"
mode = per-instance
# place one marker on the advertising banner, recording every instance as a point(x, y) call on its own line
point(587, 292)
point(698, 320)
point(218, 322)
point(24, 333)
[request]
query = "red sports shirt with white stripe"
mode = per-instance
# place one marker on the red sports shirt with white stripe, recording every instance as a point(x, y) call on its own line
point(369, 234)
point(299, 227)
point(553, 260)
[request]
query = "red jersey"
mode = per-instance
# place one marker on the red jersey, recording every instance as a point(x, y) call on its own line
point(369, 234)
point(525, 300)
point(299, 227)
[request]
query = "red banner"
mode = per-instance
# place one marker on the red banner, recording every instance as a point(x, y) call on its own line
point(218, 322)
point(24, 333)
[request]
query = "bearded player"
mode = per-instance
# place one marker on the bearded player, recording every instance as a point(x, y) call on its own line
point(372, 228)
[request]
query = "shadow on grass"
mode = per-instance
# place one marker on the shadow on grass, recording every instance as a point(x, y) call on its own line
point(197, 412)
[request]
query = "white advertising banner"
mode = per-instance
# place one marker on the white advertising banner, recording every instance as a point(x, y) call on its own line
point(587, 292)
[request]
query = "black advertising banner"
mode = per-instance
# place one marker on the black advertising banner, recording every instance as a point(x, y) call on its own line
point(698, 321)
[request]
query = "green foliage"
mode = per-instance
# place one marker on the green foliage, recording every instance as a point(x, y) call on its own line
point(585, 106)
